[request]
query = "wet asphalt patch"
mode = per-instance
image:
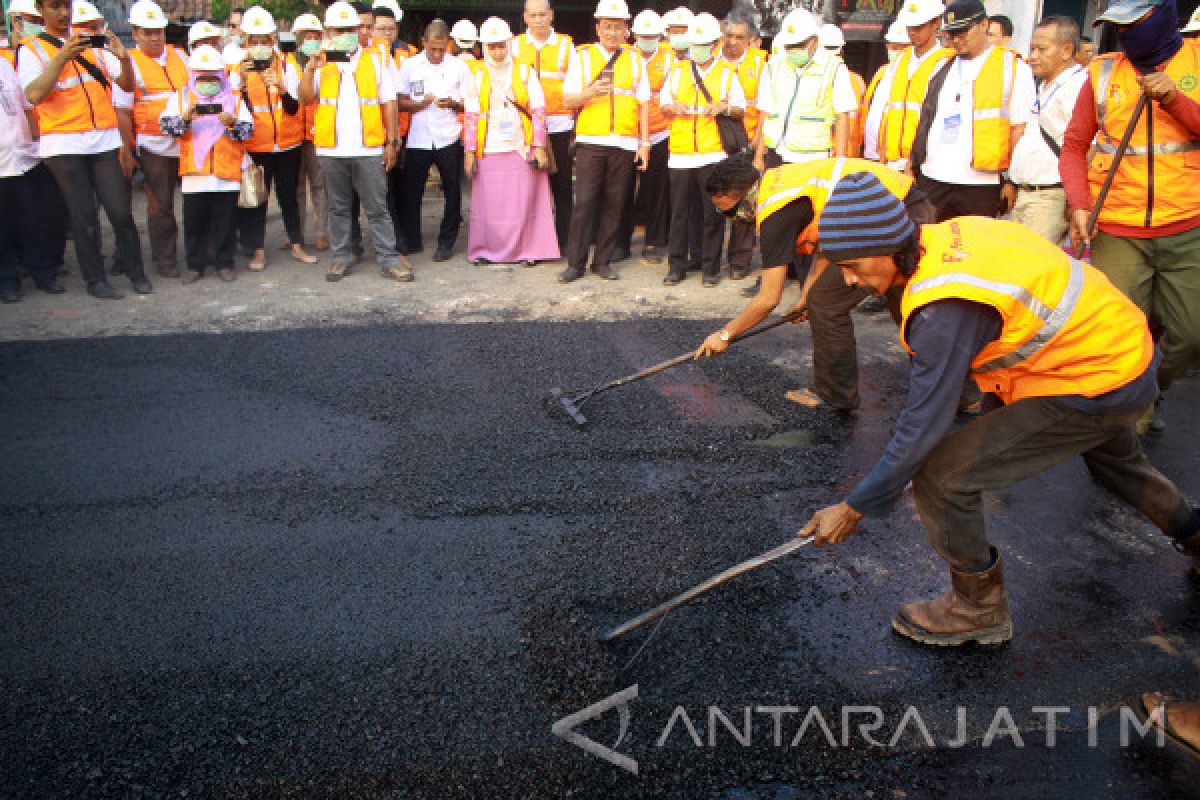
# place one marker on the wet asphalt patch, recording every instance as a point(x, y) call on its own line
point(366, 562)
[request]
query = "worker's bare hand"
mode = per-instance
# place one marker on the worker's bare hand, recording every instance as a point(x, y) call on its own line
point(1008, 198)
point(125, 159)
point(716, 109)
point(712, 346)
point(74, 47)
point(1079, 230)
point(832, 524)
point(469, 165)
point(642, 159)
point(114, 46)
point(760, 164)
point(226, 119)
point(1159, 86)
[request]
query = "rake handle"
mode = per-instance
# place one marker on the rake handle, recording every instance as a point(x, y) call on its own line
point(1143, 100)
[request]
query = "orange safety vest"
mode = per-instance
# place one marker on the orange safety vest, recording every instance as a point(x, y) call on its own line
point(78, 102)
point(154, 85)
point(1065, 328)
point(616, 113)
point(750, 73)
point(308, 111)
point(815, 180)
point(693, 133)
point(991, 131)
point(369, 104)
point(549, 63)
point(273, 127)
point(224, 159)
point(903, 110)
point(858, 115)
point(1158, 182)
point(520, 93)
point(656, 73)
point(864, 108)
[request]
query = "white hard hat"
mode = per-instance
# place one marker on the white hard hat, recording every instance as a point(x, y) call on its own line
point(1193, 24)
point(464, 30)
point(648, 23)
point(257, 21)
point(203, 30)
point(704, 29)
point(612, 9)
point(897, 34)
point(676, 17)
point(918, 12)
point(307, 22)
point(23, 7)
point(147, 14)
point(493, 31)
point(797, 27)
point(83, 12)
point(233, 54)
point(392, 6)
point(341, 15)
point(205, 58)
point(831, 36)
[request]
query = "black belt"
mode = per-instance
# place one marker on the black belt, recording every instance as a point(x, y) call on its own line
point(1034, 187)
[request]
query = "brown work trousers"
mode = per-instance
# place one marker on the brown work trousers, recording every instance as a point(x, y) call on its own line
point(1018, 441)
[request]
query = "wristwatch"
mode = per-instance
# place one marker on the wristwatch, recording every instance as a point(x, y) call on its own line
point(724, 335)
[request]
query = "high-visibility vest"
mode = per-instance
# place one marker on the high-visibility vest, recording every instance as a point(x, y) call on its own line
point(864, 108)
point(273, 127)
point(225, 158)
point(858, 115)
point(693, 134)
point(991, 131)
point(78, 102)
point(656, 73)
point(815, 180)
point(519, 78)
point(1066, 330)
point(155, 83)
point(1141, 195)
point(369, 104)
point(902, 112)
point(615, 113)
point(308, 111)
point(803, 101)
point(550, 65)
point(750, 73)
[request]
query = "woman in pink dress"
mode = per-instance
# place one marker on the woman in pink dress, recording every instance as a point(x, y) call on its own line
point(504, 135)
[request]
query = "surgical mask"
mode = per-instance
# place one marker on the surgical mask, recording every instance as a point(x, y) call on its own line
point(346, 42)
point(208, 88)
point(33, 28)
point(648, 44)
point(261, 52)
point(798, 57)
point(310, 47)
point(700, 53)
point(496, 62)
point(679, 41)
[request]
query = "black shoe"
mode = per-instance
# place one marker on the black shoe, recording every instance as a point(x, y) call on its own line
point(751, 291)
point(873, 304)
point(738, 273)
point(529, 262)
point(673, 279)
point(413, 251)
point(52, 286)
point(570, 274)
point(104, 291)
point(651, 256)
point(443, 253)
point(605, 271)
point(480, 262)
point(710, 281)
point(10, 295)
point(619, 255)
point(142, 286)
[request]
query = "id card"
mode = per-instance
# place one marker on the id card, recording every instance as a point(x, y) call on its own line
point(950, 128)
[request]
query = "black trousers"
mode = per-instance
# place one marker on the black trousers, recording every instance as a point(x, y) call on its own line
point(741, 245)
point(96, 179)
point(282, 170)
point(25, 240)
point(562, 187)
point(958, 200)
point(650, 205)
point(208, 229)
point(417, 162)
point(691, 209)
point(395, 205)
point(161, 182)
point(48, 198)
point(602, 178)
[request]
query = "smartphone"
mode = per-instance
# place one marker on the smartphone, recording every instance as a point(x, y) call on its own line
point(208, 109)
point(288, 44)
point(98, 40)
point(337, 56)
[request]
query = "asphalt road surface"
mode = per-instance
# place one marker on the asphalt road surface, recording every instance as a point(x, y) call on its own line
point(366, 562)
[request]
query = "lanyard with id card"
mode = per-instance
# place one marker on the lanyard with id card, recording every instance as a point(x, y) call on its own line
point(952, 124)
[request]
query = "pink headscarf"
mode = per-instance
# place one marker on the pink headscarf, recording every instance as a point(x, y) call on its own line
point(207, 129)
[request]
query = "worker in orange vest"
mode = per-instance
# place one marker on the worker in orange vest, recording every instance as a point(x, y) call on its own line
point(310, 186)
point(158, 72)
point(1070, 357)
point(870, 112)
point(1148, 239)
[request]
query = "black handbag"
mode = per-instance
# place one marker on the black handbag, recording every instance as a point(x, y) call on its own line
point(734, 138)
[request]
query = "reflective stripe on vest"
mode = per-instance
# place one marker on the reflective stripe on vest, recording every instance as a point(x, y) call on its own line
point(991, 132)
point(806, 97)
point(550, 65)
point(155, 85)
point(898, 124)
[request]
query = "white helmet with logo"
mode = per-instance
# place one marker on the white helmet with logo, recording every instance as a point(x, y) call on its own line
point(612, 9)
point(494, 31)
point(897, 34)
point(147, 14)
point(678, 17)
point(203, 30)
point(205, 58)
point(648, 23)
point(704, 29)
point(257, 21)
point(341, 15)
point(25, 7)
point(918, 12)
point(797, 27)
point(307, 22)
point(83, 12)
point(464, 32)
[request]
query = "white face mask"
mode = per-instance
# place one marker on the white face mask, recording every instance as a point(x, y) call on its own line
point(648, 44)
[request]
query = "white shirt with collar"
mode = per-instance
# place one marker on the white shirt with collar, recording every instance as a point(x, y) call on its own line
point(1033, 162)
point(736, 99)
point(348, 125)
point(159, 145)
point(433, 128)
point(641, 92)
point(18, 150)
point(555, 123)
point(85, 143)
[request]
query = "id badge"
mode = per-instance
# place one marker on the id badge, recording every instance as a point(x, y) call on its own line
point(418, 89)
point(950, 129)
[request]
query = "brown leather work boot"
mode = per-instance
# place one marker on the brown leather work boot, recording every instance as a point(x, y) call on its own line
point(974, 610)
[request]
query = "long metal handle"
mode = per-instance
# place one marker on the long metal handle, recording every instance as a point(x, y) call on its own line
point(1143, 100)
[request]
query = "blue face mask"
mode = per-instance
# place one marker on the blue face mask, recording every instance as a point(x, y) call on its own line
point(1155, 40)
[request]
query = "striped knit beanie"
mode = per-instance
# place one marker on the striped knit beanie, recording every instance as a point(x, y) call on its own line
point(862, 218)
